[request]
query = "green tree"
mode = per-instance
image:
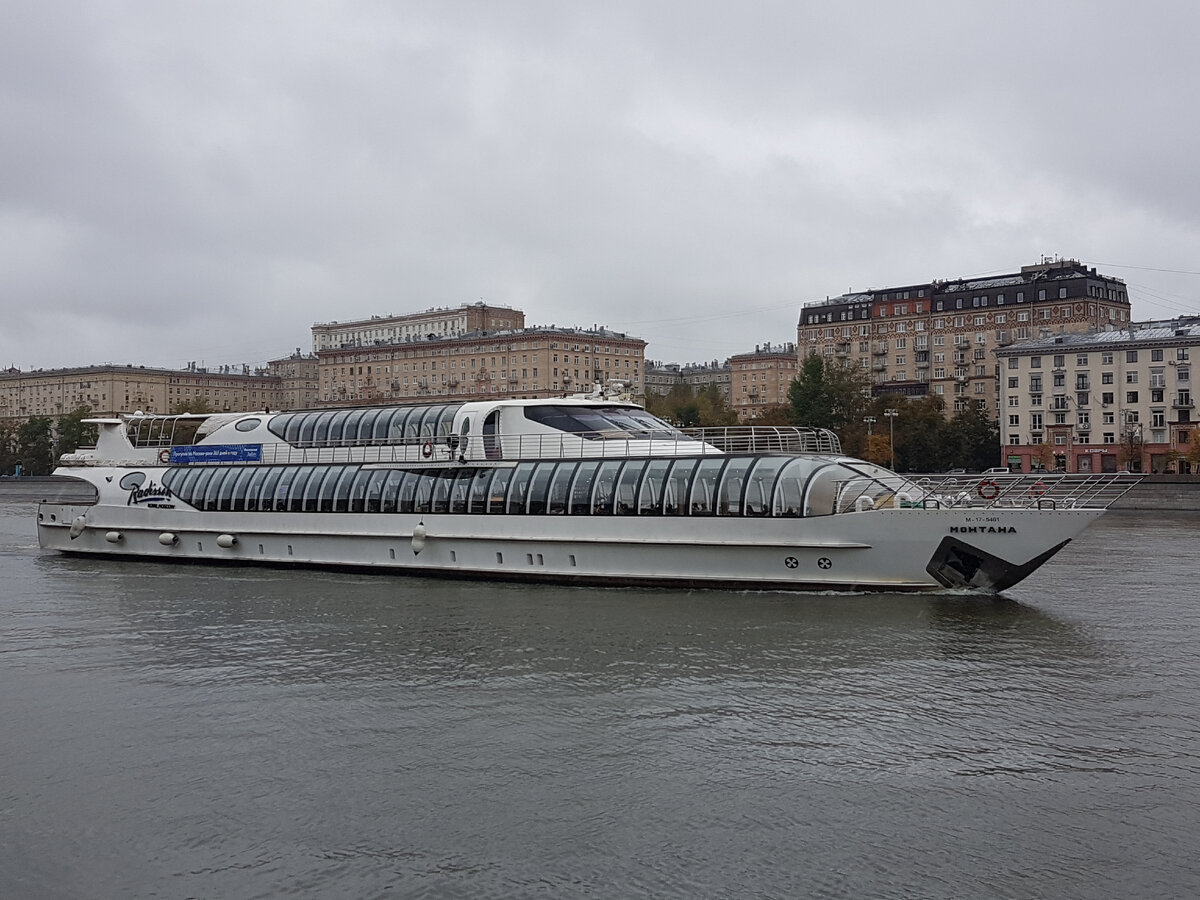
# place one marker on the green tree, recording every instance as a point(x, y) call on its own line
point(688, 408)
point(35, 444)
point(10, 454)
point(974, 437)
point(921, 435)
point(831, 395)
point(70, 432)
point(195, 405)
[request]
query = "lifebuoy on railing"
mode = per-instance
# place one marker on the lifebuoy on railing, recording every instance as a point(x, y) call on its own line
point(988, 490)
point(427, 449)
point(1037, 489)
point(164, 456)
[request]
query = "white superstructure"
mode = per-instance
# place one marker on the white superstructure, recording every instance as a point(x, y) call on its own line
point(587, 490)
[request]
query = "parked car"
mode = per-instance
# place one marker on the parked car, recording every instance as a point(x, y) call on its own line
point(997, 470)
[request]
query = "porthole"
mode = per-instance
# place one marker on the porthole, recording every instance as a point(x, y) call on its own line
point(247, 424)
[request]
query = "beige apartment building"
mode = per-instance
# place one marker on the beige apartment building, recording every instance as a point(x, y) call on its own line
point(432, 323)
point(760, 380)
point(938, 338)
point(110, 390)
point(298, 381)
point(536, 362)
point(1101, 402)
point(661, 377)
point(288, 383)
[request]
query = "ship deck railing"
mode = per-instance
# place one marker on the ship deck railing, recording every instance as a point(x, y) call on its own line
point(444, 448)
point(1098, 490)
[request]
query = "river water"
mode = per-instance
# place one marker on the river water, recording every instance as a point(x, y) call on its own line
point(206, 732)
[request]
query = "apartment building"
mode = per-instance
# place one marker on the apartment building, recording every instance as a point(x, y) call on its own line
point(938, 337)
point(761, 379)
point(298, 380)
point(111, 390)
point(1101, 402)
point(535, 362)
point(661, 377)
point(432, 323)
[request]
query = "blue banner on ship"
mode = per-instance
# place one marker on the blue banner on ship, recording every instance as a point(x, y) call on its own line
point(216, 453)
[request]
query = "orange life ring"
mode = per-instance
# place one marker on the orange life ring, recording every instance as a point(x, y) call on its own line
point(164, 456)
point(427, 449)
point(1037, 489)
point(988, 490)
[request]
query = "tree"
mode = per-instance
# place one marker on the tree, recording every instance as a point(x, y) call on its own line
point(36, 446)
point(773, 415)
point(195, 405)
point(70, 432)
point(831, 395)
point(1044, 455)
point(879, 450)
point(10, 454)
point(1193, 454)
point(975, 438)
point(921, 433)
point(688, 408)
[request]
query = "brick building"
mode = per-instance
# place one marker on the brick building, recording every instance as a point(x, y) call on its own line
point(939, 337)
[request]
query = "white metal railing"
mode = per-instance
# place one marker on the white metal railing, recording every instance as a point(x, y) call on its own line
point(767, 438)
point(563, 445)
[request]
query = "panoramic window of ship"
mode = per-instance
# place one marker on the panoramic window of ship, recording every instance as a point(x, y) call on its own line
point(745, 485)
point(359, 427)
point(603, 422)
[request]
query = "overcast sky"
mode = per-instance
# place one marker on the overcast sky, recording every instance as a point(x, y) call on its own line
point(204, 180)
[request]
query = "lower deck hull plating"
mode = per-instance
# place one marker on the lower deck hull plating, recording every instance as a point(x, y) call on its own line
point(880, 550)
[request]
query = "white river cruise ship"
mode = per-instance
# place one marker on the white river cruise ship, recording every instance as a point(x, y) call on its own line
point(575, 490)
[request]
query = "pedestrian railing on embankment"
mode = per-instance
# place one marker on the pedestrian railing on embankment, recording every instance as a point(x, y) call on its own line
point(1163, 493)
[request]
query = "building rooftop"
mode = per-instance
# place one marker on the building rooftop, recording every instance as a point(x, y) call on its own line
point(1183, 330)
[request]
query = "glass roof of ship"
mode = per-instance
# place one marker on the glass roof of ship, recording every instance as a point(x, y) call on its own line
point(369, 425)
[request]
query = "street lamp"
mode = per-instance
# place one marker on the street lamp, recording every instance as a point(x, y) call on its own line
point(870, 420)
point(891, 414)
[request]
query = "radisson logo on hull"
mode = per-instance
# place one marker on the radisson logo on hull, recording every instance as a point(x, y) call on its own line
point(983, 529)
point(152, 494)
